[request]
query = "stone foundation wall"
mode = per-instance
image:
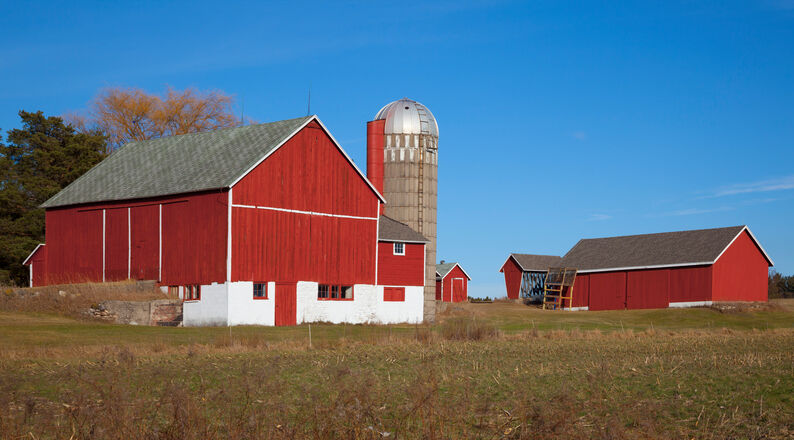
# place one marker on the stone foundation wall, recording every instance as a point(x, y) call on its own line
point(160, 312)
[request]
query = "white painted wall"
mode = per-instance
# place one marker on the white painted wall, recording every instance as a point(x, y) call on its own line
point(245, 310)
point(211, 310)
point(367, 306)
point(234, 304)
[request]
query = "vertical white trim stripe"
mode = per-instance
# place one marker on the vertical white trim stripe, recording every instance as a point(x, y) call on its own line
point(31, 275)
point(377, 243)
point(103, 245)
point(160, 244)
point(229, 239)
point(129, 243)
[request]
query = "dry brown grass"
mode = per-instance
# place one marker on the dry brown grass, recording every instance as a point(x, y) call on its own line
point(705, 384)
point(74, 300)
point(467, 328)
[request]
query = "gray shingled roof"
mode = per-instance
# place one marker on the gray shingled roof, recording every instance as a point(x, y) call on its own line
point(442, 269)
point(177, 164)
point(392, 230)
point(701, 246)
point(536, 263)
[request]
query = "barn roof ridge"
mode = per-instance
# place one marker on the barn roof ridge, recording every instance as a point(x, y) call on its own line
point(693, 247)
point(186, 163)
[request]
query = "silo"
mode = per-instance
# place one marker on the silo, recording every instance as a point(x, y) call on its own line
point(410, 175)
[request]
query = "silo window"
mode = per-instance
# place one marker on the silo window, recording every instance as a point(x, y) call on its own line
point(399, 248)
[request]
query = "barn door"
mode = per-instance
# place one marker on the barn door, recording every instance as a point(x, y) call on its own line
point(286, 303)
point(458, 291)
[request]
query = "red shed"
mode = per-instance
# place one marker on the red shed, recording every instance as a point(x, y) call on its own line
point(452, 282)
point(525, 274)
point(671, 269)
point(261, 224)
point(37, 269)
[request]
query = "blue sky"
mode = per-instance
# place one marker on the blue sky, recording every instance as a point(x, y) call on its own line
point(557, 120)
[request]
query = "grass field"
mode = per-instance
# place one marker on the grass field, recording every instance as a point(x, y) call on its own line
point(518, 372)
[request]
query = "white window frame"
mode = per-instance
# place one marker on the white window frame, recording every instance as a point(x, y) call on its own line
point(394, 248)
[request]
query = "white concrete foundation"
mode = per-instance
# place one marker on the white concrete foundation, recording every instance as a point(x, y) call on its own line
point(690, 304)
point(211, 310)
point(233, 304)
point(367, 306)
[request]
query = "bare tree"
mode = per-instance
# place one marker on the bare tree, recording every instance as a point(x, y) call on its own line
point(125, 115)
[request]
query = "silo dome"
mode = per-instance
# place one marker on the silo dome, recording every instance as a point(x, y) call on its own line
point(406, 116)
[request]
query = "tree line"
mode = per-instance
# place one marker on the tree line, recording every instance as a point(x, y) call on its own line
point(49, 152)
point(780, 286)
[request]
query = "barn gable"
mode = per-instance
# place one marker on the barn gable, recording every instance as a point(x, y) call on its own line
point(308, 172)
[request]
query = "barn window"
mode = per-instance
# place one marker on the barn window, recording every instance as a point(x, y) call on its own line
point(260, 290)
point(399, 248)
point(334, 292)
point(192, 292)
point(394, 293)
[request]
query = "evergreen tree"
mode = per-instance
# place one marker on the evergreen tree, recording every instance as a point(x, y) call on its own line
point(38, 160)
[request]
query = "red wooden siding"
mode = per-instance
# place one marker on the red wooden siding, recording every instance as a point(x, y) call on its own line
point(394, 293)
point(438, 289)
point(286, 304)
point(116, 239)
point(581, 291)
point(74, 245)
point(458, 292)
point(38, 263)
point(285, 246)
point(513, 275)
point(194, 240)
point(689, 284)
point(401, 270)
point(308, 173)
point(145, 252)
point(607, 291)
point(647, 289)
point(740, 274)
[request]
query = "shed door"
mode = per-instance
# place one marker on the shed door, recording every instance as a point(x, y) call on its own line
point(458, 290)
point(286, 303)
point(607, 291)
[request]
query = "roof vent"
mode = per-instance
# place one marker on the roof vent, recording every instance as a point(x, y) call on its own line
point(442, 262)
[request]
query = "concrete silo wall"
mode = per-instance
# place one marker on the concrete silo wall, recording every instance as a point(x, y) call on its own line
point(411, 188)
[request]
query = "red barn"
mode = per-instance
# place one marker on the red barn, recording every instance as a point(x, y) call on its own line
point(452, 282)
point(671, 269)
point(525, 274)
point(261, 224)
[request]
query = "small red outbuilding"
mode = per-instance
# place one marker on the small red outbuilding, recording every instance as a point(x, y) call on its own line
point(670, 269)
point(452, 282)
point(525, 274)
